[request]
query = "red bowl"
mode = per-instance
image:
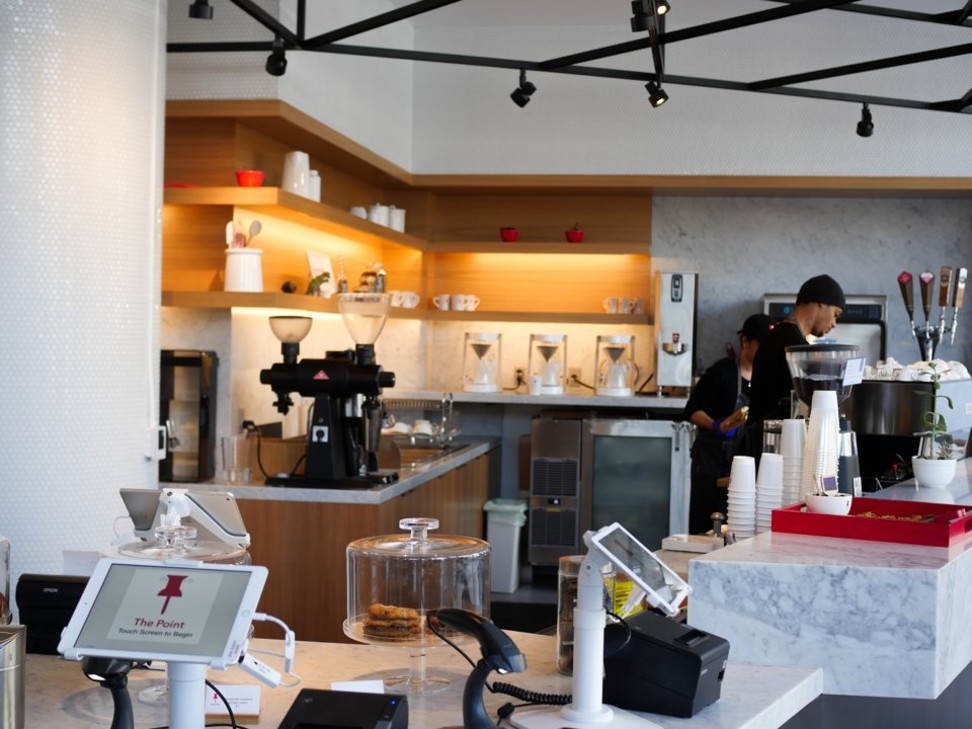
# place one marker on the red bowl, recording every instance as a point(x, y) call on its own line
point(510, 235)
point(249, 178)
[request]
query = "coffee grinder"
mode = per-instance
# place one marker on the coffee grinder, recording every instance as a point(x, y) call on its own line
point(342, 446)
point(548, 356)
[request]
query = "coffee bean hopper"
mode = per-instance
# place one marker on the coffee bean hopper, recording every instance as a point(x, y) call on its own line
point(395, 580)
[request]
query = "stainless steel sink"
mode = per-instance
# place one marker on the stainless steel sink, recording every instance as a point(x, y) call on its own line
point(403, 452)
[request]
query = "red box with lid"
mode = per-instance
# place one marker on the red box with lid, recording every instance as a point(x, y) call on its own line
point(940, 525)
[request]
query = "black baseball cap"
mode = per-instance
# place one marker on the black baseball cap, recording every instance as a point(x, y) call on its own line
point(821, 289)
point(757, 326)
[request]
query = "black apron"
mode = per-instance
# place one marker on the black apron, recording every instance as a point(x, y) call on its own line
point(711, 453)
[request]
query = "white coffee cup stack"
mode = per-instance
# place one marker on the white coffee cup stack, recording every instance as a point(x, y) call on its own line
point(769, 489)
point(741, 517)
point(823, 441)
point(793, 439)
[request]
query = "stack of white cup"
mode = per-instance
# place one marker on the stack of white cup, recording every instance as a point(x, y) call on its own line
point(741, 517)
point(823, 441)
point(769, 489)
point(793, 439)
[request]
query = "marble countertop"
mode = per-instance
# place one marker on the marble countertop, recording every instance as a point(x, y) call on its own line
point(959, 491)
point(576, 398)
point(409, 478)
point(752, 697)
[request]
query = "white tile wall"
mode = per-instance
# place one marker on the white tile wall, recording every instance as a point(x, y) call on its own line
point(81, 91)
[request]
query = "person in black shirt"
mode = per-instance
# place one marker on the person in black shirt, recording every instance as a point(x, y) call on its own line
point(819, 303)
point(722, 389)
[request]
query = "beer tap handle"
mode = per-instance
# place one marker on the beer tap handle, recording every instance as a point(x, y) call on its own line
point(960, 276)
point(944, 292)
point(908, 294)
point(926, 280)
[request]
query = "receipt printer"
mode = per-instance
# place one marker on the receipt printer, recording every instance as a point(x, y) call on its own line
point(665, 667)
point(320, 709)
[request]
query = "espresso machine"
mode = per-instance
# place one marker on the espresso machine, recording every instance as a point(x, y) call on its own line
point(345, 426)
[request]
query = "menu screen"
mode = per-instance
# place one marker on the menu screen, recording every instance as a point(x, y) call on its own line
point(160, 609)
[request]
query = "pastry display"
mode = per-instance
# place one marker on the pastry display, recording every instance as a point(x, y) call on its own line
point(392, 622)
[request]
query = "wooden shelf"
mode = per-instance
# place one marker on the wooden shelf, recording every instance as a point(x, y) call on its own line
point(567, 317)
point(555, 247)
point(294, 209)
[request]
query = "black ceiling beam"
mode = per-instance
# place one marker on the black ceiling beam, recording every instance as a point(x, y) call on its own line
point(267, 21)
point(906, 59)
point(950, 18)
point(378, 21)
point(218, 47)
point(696, 31)
point(960, 16)
point(955, 104)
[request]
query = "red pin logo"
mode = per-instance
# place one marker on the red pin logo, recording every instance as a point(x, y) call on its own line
point(173, 588)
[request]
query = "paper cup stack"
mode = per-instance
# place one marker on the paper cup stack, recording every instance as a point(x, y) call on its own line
point(823, 441)
point(769, 489)
point(793, 439)
point(741, 518)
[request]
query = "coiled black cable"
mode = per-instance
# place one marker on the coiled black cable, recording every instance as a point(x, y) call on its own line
point(530, 697)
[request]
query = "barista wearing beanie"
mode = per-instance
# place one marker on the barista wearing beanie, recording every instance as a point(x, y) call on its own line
point(819, 303)
point(720, 392)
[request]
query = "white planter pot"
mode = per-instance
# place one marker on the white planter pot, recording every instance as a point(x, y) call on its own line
point(933, 473)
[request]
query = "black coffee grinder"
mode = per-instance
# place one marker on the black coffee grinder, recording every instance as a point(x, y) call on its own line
point(342, 437)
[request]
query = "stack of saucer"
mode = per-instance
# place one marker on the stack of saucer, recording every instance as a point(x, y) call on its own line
point(823, 441)
point(769, 489)
point(741, 517)
point(793, 439)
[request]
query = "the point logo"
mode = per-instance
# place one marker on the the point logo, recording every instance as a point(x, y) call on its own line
point(173, 588)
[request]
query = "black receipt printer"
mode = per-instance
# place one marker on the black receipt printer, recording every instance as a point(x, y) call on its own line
point(665, 668)
point(45, 604)
point(320, 709)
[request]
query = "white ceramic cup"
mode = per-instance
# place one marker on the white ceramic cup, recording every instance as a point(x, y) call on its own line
point(611, 304)
point(627, 306)
point(639, 306)
point(442, 302)
point(465, 302)
point(534, 384)
point(244, 270)
point(378, 214)
point(314, 186)
point(296, 173)
point(396, 298)
point(423, 427)
point(396, 219)
point(410, 299)
point(359, 211)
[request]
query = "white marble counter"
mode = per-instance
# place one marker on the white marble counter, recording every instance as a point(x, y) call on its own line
point(575, 398)
point(409, 478)
point(959, 491)
point(881, 619)
point(753, 697)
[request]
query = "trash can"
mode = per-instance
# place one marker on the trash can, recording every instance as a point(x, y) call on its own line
point(504, 519)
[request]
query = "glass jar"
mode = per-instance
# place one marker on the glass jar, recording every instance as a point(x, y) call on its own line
point(568, 569)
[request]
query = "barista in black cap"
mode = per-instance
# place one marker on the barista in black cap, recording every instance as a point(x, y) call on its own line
point(720, 392)
point(819, 303)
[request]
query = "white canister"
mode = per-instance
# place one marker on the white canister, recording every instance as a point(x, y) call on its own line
point(378, 214)
point(244, 269)
point(315, 186)
point(396, 218)
point(296, 173)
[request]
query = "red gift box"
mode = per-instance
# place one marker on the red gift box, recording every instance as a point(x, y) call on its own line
point(941, 525)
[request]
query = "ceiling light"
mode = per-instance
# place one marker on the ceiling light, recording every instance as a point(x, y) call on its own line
point(641, 20)
point(277, 60)
point(662, 7)
point(656, 94)
point(522, 93)
point(865, 127)
point(201, 9)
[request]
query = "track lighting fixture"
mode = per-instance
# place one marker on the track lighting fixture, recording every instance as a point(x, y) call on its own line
point(865, 127)
point(201, 9)
point(662, 7)
point(522, 93)
point(656, 94)
point(277, 60)
point(643, 18)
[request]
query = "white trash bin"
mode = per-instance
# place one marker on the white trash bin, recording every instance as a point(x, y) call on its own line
point(504, 519)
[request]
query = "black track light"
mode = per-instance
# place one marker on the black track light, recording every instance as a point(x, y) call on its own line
point(277, 60)
point(865, 127)
point(522, 93)
point(201, 9)
point(656, 94)
point(641, 19)
point(662, 7)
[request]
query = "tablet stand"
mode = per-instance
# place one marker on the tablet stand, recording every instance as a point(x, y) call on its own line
point(586, 709)
point(187, 695)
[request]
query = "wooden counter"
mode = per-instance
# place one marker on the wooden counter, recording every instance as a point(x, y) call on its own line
point(301, 535)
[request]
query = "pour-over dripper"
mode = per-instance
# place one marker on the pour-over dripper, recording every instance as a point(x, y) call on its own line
point(548, 357)
point(616, 370)
point(481, 362)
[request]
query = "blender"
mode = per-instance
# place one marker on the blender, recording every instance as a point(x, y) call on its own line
point(480, 362)
point(616, 370)
point(345, 427)
point(548, 355)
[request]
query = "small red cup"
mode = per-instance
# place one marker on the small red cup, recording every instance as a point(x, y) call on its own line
point(510, 235)
point(249, 178)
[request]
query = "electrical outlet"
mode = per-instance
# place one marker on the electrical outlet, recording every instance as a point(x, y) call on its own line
point(519, 377)
point(573, 376)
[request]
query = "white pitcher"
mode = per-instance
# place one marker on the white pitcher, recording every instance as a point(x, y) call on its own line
point(296, 173)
